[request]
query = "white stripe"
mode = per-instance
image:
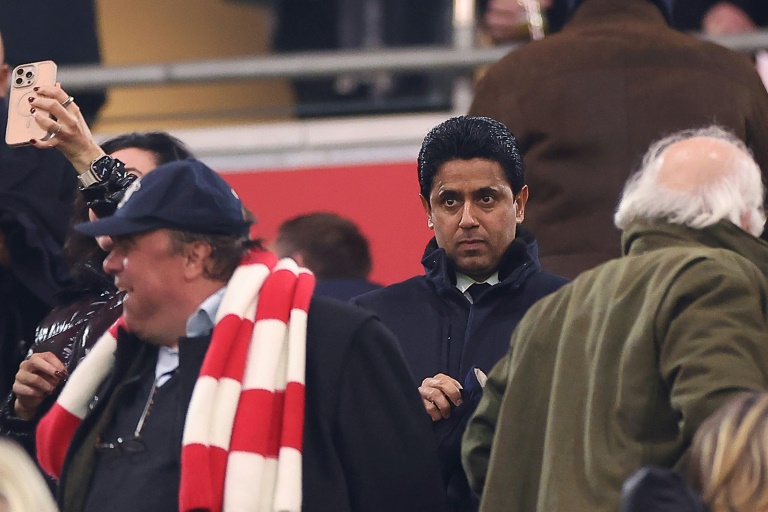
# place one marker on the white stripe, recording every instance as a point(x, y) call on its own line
point(264, 354)
point(248, 477)
point(297, 346)
point(288, 487)
point(242, 289)
point(224, 409)
point(288, 264)
point(89, 374)
point(197, 428)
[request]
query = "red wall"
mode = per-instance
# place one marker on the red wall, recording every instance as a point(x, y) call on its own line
point(383, 199)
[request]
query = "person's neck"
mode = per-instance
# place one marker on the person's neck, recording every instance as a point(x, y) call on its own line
point(188, 304)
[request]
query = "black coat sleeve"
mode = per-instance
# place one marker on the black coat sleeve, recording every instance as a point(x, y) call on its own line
point(386, 446)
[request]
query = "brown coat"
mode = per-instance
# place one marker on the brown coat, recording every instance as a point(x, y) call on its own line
point(586, 103)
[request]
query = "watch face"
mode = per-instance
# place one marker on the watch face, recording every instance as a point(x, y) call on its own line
point(102, 167)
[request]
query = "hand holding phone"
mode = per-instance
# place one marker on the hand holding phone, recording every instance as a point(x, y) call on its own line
point(22, 126)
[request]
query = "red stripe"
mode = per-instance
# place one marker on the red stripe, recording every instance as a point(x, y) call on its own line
point(218, 350)
point(218, 476)
point(293, 416)
point(195, 488)
point(53, 435)
point(120, 322)
point(304, 289)
point(276, 294)
point(258, 422)
point(234, 366)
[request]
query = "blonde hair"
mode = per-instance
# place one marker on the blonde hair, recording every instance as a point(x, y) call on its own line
point(22, 488)
point(729, 456)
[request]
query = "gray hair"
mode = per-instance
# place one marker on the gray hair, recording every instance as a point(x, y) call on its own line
point(730, 197)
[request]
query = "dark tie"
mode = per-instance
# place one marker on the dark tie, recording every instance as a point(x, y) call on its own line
point(476, 290)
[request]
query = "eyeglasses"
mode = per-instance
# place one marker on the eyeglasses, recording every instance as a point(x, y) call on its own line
point(135, 443)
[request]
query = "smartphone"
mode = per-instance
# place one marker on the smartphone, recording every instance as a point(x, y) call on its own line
point(22, 126)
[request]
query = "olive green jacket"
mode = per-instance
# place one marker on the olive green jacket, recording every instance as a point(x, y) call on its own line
point(618, 369)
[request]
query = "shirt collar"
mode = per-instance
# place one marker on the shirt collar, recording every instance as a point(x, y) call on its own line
point(463, 282)
point(201, 322)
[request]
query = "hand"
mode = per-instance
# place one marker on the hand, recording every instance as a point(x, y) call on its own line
point(36, 379)
point(72, 135)
point(725, 18)
point(505, 21)
point(438, 393)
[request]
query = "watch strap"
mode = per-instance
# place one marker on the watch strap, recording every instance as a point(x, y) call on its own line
point(99, 170)
point(88, 178)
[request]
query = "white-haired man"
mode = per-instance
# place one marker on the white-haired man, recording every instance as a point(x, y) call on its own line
point(618, 369)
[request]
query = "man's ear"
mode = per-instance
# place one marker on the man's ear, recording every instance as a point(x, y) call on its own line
point(196, 259)
point(521, 199)
point(428, 210)
point(299, 259)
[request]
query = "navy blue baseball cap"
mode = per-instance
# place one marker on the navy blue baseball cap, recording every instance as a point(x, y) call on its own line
point(185, 195)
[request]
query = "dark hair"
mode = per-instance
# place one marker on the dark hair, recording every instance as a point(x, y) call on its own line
point(226, 251)
point(332, 247)
point(465, 138)
point(164, 146)
point(82, 252)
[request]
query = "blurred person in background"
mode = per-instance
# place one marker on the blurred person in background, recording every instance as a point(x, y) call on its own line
point(729, 456)
point(715, 17)
point(64, 32)
point(506, 21)
point(22, 488)
point(36, 193)
point(727, 466)
point(333, 248)
point(357, 25)
point(584, 116)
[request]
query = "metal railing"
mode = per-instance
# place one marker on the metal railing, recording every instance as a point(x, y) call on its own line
point(318, 64)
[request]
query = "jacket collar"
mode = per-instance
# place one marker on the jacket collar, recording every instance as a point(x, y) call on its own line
point(520, 260)
point(641, 237)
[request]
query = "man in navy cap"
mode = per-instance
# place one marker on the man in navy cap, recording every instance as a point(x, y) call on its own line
point(179, 234)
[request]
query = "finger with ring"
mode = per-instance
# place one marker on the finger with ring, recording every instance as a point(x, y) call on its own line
point(56, 132)
point(67, 101)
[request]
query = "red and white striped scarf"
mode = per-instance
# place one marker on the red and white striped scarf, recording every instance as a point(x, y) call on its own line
point(243, 433)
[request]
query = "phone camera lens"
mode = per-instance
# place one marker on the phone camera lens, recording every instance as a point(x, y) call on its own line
point(19, 71)
point(19, 81)
point(29, 74)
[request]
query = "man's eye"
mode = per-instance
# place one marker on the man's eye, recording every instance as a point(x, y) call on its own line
point(450, 202)
point(486, 199)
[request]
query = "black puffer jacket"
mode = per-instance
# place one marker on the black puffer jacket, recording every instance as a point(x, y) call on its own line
point(69, 331)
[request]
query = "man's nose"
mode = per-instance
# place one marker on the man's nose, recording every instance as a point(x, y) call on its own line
point(468, 218)
point(113, 263)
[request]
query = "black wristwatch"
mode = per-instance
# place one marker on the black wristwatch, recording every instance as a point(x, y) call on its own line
point(99, 171)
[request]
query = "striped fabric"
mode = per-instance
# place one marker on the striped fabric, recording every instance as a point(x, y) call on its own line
point(241, 449)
